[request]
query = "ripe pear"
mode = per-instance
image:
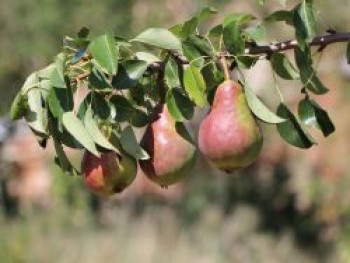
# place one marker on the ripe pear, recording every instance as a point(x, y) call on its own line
point(109, 174)
point(171, 155)
point(229, 136)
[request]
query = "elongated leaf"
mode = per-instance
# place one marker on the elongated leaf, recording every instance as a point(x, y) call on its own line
point(36, 114)
point(131, 146)
point(195, 86)
point(77, 129)
point(179, 106)
point(283, 67)
point(104, 50)
point(172, 74)
point(348, 53)
point(159, 37)
point(95, 132)
point(291, 130)
point(304, 21)
point(19, 106)
point(311, 113)
point(259, 109)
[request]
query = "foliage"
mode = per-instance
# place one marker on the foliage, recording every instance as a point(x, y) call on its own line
point(179, 66)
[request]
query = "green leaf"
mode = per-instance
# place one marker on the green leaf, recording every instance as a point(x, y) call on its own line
point(95, 132)
point(257, 33)
point(240, 18)
point(193, 55)
point(283, 67)
point(19, 106)
point(348, 53)
point(246, 61)
point(291, 130)
point(216, 31)
point(131, 146)
point(124, 109)
point(304, 21)
point(148, 57)
point(159, 37)
point(312, 114)
point(201, 44)
point(259, 109)
point(281, 16)
point(98, 80)
point(31, 82)
point(36, 114)
point(139, 118)
point(179, 106)
point(233, 38)
point(172, 74)
point(104, 50)
point(62, 159)
point(60, 96)
point(77, 129)
point(195, 85)
point(206, 13)
point(129, 73)
point(189, 27)
point(307, 73)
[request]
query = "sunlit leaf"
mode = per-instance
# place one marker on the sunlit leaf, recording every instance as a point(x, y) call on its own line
point(259, 109)
point(94, 131)
point(195, 85)
point(159, 37)
point(131, 146)
point(77, 129)
point(104, 50)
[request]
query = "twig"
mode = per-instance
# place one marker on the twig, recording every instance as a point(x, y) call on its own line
point(321, 41)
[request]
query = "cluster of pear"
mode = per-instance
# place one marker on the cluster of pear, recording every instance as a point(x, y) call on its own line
point(229, 137)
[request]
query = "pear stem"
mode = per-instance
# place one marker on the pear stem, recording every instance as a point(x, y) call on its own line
point(224, 65)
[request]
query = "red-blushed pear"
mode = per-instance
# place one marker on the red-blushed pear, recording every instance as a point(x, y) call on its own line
point(171, 155)
point(109, 174)
point(229, 136)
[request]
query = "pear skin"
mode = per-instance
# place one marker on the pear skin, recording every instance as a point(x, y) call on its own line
point(109, 174)
point(229, 136)
point(171, 155)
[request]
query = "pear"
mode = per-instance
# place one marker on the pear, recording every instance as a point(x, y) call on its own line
point(171, 155)
point(109, 174)
point(229, 136)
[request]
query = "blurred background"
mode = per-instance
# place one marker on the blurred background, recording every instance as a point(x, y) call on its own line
point(290, 206)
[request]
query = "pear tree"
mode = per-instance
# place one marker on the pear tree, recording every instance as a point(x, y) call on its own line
point(157, 79)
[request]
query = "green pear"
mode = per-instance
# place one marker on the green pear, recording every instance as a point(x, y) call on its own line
point(171, 155)
point(109, 174)
point(229, 136)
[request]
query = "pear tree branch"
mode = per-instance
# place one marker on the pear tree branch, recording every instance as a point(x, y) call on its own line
point(321, 41)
